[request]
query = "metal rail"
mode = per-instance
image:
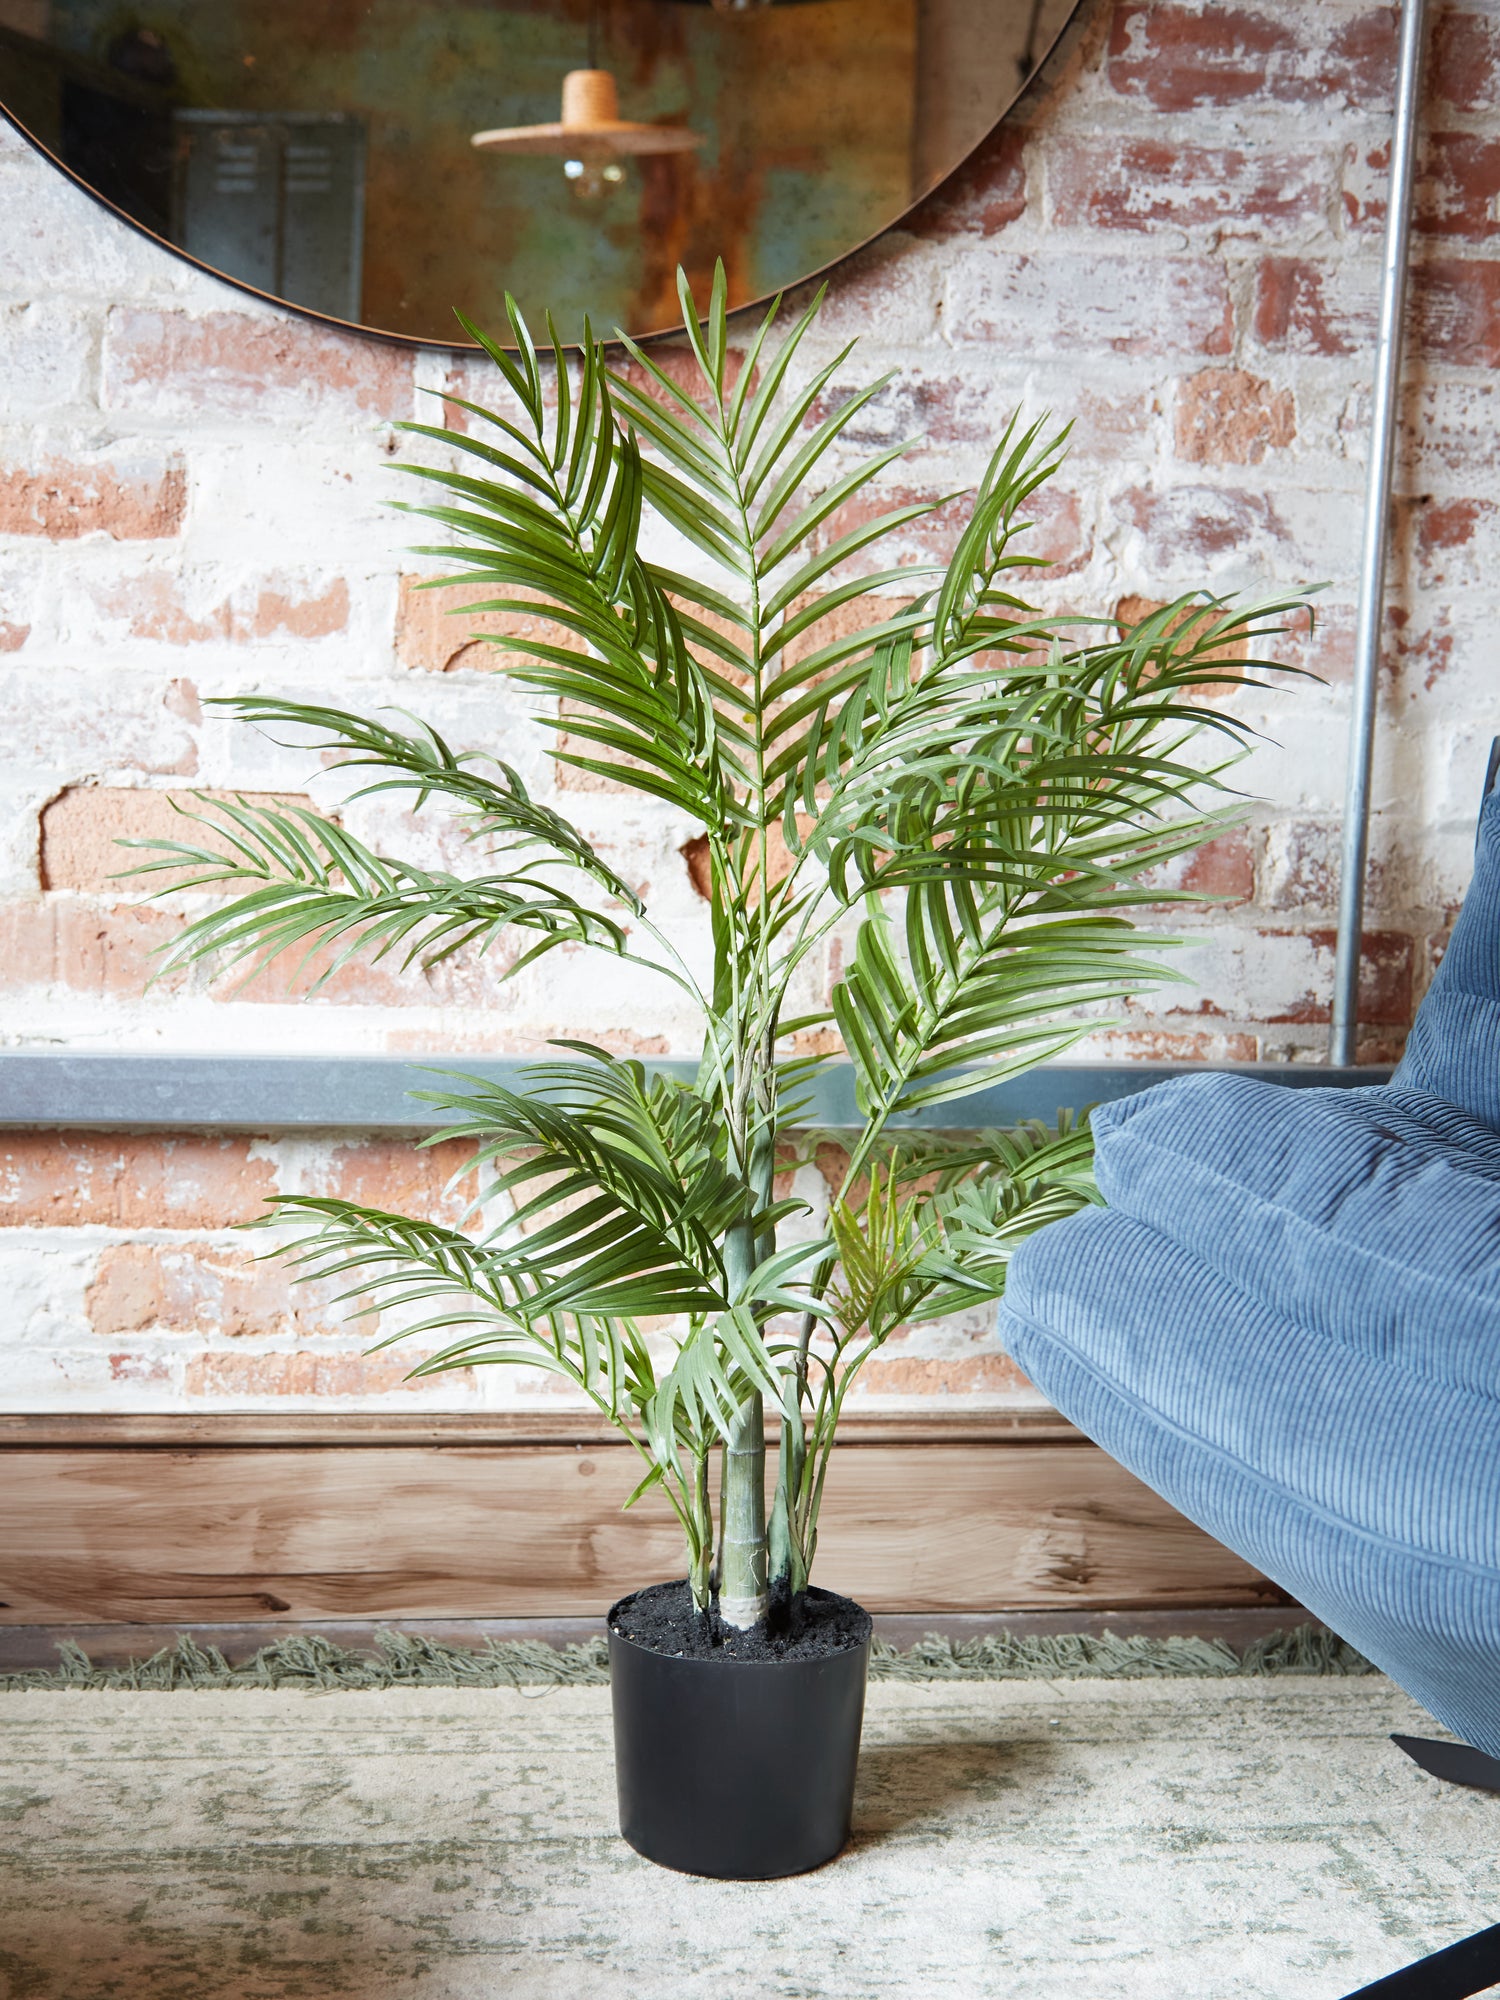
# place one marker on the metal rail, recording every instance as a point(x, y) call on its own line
point(1341, 1039)
point(61, 1090)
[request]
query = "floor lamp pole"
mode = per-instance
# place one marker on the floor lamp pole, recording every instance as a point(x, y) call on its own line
point(1377, 523)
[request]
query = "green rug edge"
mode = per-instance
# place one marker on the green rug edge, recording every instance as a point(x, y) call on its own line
point(403, 1659)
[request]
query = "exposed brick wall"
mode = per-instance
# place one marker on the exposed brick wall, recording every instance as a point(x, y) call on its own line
point(1177, 247)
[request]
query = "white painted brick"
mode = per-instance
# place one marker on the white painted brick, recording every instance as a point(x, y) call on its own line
point(49, 348)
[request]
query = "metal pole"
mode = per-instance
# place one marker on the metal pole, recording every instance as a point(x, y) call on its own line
point(1372, 559)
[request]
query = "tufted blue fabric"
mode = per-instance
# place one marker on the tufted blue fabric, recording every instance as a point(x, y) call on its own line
point(1287, 1321)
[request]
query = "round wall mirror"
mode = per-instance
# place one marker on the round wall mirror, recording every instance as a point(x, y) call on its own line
point(379, 162)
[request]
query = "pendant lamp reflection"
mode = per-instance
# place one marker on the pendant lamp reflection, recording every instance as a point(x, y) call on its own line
point(591, 138)
point(738, 6)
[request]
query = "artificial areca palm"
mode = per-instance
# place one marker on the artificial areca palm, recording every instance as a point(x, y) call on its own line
point(982, 793)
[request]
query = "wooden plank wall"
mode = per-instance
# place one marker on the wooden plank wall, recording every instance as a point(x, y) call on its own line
point(166, 1520)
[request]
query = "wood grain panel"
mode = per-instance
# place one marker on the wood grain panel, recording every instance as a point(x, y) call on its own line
point(564, 1426)
point(162, 1533)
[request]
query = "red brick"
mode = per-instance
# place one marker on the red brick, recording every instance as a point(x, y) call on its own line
point(1450, 524)
point(1190, 525)
point(1387, 968)
point(1463, 60)
point(130, 501)
point(313, 617)
point(1459, 187)
point(73, 1179)
point(695, 858)
point(832, 1161)
point(1222, 868)
point(232, 364)
point(1366, 180)
point(1302, 307)
point(1226, 416)
point(1177, 58)
point(13, 637)
point(81, 830)
point(202, 1287)
point(1458, 180)
point(1319, 641)
point(84, 947)
point(779, 856)
point(309, 1374)
point(1112, 424)
point(1177, 1045)
point(1133, 609)
point(1424, 648)
point(956, 1375)
point(982, 196)
point(435, 635)
point(141, 1370)
point(402, 1177)
point(162, 607)
point(1455, 542)
point(1076, 303)
point(1455, 315)
point(1147, 184)
point(1303, 870)
point(840, 623)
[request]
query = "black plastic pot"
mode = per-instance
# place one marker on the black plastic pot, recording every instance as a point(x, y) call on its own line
point(739, 1769)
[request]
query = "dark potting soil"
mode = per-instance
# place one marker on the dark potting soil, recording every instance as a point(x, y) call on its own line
point(811, 1627)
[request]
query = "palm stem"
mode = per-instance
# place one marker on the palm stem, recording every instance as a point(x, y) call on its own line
point(743, 1596)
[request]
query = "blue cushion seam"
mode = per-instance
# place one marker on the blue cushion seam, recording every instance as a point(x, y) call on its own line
point(1291, 1215)
point(1460, 1564)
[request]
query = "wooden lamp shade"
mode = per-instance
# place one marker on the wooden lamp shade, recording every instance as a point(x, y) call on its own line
point(590, 124)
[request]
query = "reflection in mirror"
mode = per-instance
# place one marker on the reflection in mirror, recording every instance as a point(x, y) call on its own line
point(382, 161)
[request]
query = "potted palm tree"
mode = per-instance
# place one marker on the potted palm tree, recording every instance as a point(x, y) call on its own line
point(971, 795)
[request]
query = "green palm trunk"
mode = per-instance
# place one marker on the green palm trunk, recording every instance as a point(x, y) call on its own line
point(743, 1598)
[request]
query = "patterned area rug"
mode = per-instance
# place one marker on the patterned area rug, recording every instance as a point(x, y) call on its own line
point(1239, 1838)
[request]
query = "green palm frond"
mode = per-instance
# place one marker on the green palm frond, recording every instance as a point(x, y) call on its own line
point(882, 1246)
point(982, 1223)
point(317, 886)
point(986, 1001)
point(623, 1198)
point(392, 1263)
point(570, 537)
point(1027, 1154)
point(502, 816)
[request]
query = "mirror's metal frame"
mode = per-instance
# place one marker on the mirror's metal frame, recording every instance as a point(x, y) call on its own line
point(1356, 845)
point(422, 341)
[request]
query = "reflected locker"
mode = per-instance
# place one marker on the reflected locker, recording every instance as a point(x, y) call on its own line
point(277, 203)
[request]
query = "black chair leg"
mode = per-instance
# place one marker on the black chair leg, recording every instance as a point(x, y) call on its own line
point(1471, 1966)
point(1456, 1763)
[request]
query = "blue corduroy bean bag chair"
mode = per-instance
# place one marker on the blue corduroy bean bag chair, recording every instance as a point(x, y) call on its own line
point(1287, 1322)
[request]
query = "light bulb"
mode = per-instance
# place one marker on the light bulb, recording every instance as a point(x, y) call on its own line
point(739, 6)
point(590, 179)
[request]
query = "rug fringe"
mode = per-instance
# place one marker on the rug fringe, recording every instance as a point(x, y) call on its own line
point(404, 1659)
